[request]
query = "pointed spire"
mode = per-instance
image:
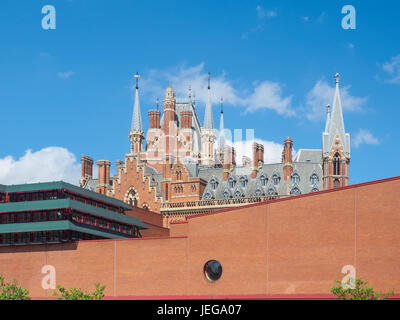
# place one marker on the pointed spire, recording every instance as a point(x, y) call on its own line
point(221, 140)
point(328, 117)
point(208, 116)
point(335, 127)
point(136, 117)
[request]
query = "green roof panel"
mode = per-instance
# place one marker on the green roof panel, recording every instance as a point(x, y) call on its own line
point(68, 203)
point(54, 226)
point(64, 185)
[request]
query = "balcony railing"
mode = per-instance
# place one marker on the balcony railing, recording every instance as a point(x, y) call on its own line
point(172, 208)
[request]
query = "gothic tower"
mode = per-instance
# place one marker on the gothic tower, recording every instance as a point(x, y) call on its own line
point(208, 133)
point(136, 134)
point(335, 146)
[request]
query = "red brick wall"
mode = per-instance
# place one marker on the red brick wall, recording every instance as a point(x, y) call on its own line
point(291, 246)
point(153, 220)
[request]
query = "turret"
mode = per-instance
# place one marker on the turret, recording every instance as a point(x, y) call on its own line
point(335, 146)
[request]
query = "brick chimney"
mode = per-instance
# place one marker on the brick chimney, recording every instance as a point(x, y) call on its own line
point(103, 176)
point(287, 159)
point(229, 161)
point(258, 158)
point(154, 119)
point(87, 166)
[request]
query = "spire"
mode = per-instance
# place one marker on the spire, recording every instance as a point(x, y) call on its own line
point(328, 117)
point(221, 142)
point(335, 124)
point(136, 118)
point(208, 116)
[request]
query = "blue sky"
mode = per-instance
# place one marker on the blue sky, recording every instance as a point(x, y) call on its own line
point(69, 91)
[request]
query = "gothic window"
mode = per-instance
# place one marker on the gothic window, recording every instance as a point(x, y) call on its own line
point(263, 180)
point(275, 179)
point(243, 182)
point(271, 191)
point(295, 178)
point(336, 165)
point(314, 189)
point(231, 182)
point(314, 179)
point(132, 198)
point(336, 183)
point(295, 191)
point(259, 192)
point(214, 184)
point(178, 175)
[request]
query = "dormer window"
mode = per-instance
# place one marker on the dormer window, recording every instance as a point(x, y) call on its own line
point(314, 179)
point(295, 191)
point(214, 184)
point(295, 178)
point(275, 179)
point(231, 182)
point(263, 180)
point(243, 182)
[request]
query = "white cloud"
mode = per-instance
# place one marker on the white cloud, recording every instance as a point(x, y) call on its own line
point(393, 69)
point(272, 150)
point(65, 75)
point(264, 13)
point(364, 137)
point(47, 164)
point(243, 146)
point(262, 95)
point(322, 94)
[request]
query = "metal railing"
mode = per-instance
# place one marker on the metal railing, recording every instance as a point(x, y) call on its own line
point(213, 204)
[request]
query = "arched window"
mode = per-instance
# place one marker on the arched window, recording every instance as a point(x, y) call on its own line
point(259, 192)
point(336, 165)
point(314, 189)
point(336, 183)
point(271, 192)
point(263, 180)
point(243, 182)
point(132, 198)
point(314, 179)
point(295, 178)
point(214, 184)
point(275, 179)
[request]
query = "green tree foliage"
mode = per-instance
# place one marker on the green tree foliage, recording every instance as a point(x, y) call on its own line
point(358, 290)
point(79, 294)
point(11, 291)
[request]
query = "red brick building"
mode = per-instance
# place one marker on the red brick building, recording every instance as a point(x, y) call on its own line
point(295, 246)
point(188, 168)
